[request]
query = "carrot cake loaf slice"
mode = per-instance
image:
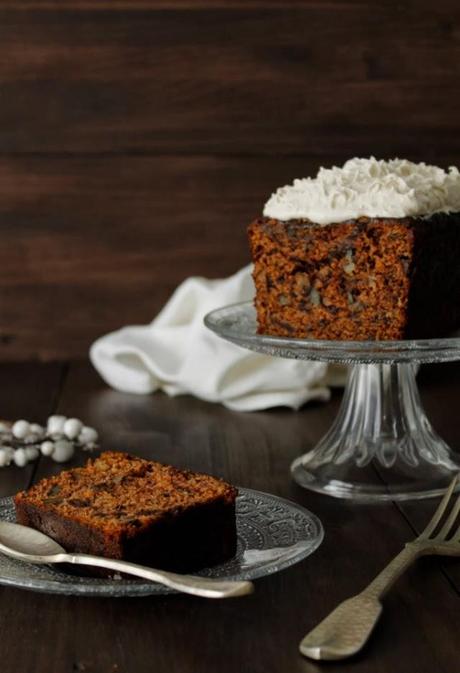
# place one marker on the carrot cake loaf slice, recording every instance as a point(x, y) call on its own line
point(367, 251)
point(123, 507)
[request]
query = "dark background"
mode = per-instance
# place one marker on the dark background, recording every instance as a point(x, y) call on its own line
point(137, 139)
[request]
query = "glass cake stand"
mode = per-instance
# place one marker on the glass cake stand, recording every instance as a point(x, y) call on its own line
point(381, 445)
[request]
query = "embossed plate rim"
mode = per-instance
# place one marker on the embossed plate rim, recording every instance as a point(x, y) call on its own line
point(66, 584)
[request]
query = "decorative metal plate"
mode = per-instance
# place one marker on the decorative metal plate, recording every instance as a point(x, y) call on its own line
point(273, 534)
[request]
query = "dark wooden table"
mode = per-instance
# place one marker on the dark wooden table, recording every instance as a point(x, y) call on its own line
point(260, 633)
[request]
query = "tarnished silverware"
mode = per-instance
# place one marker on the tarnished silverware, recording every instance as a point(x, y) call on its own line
point(32, 546)
point(347, 628)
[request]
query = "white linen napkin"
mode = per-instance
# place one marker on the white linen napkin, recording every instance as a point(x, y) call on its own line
point(178, 354)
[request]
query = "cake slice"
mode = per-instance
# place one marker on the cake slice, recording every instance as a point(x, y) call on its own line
point(367, 251)
point(123, 507)
point(364, 279)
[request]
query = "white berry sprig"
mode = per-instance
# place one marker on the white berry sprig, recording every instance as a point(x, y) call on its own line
point(22, 442)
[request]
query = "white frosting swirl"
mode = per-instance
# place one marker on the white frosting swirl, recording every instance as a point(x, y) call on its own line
point(368, 187)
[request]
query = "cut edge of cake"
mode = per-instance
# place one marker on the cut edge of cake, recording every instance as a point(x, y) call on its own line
point(193, 531)
point(363, 279)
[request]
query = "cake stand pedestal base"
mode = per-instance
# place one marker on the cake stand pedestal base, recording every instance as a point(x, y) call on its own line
point(381, 446)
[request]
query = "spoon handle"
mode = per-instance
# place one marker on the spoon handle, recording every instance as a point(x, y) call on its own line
point(189, 584)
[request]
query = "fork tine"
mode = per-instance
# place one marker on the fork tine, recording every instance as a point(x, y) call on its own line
point(444, 532)
point(456, 536)
point(436, 518)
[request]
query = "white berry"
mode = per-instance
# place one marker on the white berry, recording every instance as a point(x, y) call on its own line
point(56, 425)
point(4, 458)
point(5, 427)
point(89, 447)
point(37, 429)
point(87, 435)
point(72, 428)
point(21, 429)
point(20, 457)
point(47, 448)
point(31, 453)
point(9, 452)
point(63, 451)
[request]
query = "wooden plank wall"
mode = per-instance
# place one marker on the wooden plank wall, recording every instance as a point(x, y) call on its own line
point(137, 139)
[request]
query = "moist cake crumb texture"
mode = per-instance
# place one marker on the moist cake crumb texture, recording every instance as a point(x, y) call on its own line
point(121, 506)
point(370, 278)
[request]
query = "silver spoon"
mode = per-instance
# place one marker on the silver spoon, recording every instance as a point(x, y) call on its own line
point(32, 546)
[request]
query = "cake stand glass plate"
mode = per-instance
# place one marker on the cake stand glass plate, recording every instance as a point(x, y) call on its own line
point(273, 534)
point(381, 446)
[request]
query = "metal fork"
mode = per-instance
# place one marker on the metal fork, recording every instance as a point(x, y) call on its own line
point(347, 628)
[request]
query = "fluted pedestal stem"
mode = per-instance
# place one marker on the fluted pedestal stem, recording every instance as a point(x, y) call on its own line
point(381, 445)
